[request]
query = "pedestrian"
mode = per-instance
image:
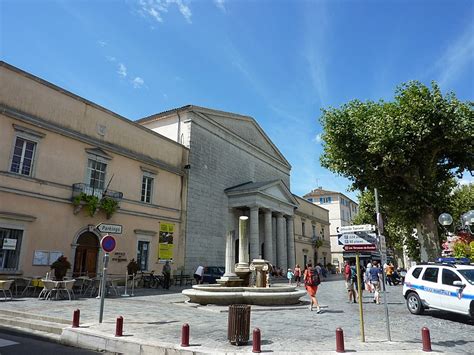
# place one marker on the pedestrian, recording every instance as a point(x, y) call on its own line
point(297, 273)
point(389, 272)
point(289, 276)
point(368, 286)
point(198, 274)
point(312, 279)
point(166, 275)
point(375, 277)
point(349, 281)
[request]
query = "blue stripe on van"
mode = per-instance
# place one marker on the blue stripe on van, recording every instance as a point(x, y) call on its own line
point(439, 292)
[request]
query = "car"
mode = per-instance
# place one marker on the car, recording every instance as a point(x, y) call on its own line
point(443, 286)
point(212, 273)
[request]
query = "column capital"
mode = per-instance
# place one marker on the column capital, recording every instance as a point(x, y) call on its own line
point(254, 208)
point(289, 217)
point(278, 214)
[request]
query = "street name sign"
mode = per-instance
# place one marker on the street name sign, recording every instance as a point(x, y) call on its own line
point(356, 228)
point(110, 228)
point(351, 238)
point(360, 247)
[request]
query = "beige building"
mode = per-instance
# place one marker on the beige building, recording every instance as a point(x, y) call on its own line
point(311, 225)
point(60, 156)
point(341, 209)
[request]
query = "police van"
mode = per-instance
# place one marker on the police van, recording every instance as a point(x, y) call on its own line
point(446, 285)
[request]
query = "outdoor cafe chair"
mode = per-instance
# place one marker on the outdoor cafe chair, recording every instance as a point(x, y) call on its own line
point(5, 288)
point(68, 288)
point(49, 287)
point(27, 284)
point(81, 284)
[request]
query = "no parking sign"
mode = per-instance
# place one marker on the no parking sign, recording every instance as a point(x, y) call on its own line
point(108, 243)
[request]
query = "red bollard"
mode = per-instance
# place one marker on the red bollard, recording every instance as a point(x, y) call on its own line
point(425, 337)
point(119, 327)
point(256, 341)
point(340, 341)
point(75, 318)
point(185, 335)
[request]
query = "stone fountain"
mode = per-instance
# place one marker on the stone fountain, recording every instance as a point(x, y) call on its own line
point(234, 286)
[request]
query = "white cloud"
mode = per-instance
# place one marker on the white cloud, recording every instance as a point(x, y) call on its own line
point(457, 57)
point(220, 4)
point(122, 70)
point(138, 83)
point(102, 43)
point(318, 138)
point(110, 58)
point(156, 8)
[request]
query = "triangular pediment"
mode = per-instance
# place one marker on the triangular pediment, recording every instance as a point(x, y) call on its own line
point(244, 127)
point(98, 152)
point(275, 190)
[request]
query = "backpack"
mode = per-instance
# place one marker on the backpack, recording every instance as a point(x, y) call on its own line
point(353, 273)
point(313, 279)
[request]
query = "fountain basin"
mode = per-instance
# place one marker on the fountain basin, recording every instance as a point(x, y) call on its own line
point(263, 296)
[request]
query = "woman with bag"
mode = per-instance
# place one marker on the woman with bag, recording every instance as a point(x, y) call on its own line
point(311, 281)
point(297, 273)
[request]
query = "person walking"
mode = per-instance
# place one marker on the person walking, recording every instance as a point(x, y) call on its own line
point(389, 272)
point(375, 277)
point(312, 279)
point(198, 274)
point(166, 275)
point(289, 276)
point(297, 273)
point(368, 286)
point(349, 281)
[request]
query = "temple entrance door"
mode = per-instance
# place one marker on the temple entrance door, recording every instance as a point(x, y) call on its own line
point(87, 250)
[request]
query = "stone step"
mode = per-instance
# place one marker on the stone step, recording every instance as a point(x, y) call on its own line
point(40, 317)
point(8, 321)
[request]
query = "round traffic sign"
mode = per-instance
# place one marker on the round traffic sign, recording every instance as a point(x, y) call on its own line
point(108, 243)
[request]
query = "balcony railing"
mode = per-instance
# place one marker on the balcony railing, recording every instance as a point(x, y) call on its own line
point(79, 188)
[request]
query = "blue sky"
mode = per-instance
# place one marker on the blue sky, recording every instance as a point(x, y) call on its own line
point(277, 61)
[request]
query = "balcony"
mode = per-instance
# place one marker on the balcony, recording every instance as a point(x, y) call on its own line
point(79, 188)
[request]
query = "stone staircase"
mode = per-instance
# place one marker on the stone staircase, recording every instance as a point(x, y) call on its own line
point(48, 327)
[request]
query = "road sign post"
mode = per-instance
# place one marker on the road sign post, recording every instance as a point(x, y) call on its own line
point(108, 245)
point(359, 296)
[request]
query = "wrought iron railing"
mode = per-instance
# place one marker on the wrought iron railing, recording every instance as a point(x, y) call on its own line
point(79, 188)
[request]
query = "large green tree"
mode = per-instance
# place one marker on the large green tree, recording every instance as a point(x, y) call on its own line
point(409, 149)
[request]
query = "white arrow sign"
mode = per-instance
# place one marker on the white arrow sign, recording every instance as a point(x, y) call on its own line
point(351, 239)
point(110, 228)
point(356, 228)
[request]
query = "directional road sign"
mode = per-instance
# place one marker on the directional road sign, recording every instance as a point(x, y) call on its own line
point(351, 238)
point(110, 228)
point(360, 247)
point(108, 243)
point(356, 228)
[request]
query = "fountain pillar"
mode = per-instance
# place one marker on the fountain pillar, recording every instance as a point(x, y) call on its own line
point(229, 278)
point(242, 269)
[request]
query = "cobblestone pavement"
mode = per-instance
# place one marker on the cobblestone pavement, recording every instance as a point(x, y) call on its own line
point(158, 315)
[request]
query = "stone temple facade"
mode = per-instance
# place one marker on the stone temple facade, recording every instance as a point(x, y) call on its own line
point(234, 169)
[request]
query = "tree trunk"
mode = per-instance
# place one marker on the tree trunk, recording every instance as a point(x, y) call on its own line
point(428, 236)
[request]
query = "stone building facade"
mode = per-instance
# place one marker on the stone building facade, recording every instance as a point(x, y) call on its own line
point(56, 148)
point(234, 169)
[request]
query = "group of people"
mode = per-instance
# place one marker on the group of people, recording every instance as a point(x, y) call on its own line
point(371, 279)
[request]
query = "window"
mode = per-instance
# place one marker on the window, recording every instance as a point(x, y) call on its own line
point(142, 255)
point(416, 273)
point(23, 156)
point(147, 188)
point(10, 241)
point(448, 277)
point(302, 229)
point(314, 230)
point(431, 274)
point(325, 200)
point(310, 199)
point(96, 174)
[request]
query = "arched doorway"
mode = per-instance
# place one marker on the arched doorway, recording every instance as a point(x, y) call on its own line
point(87, 250)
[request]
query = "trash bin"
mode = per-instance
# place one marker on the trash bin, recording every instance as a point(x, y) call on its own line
point(239, 324)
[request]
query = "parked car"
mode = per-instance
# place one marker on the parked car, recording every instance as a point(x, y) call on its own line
point(212, 273)
point(443, 286)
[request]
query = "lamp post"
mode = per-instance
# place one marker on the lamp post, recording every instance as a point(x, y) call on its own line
point(461, 231)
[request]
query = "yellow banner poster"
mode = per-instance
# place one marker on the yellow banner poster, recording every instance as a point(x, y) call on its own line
point(165, 248)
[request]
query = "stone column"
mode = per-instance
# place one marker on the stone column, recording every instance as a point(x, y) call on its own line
point(268, 247)
point(254, 234)
point(274, 239)
point(290, 241)
point(243, 242)
point(281, 237)
point(229, 255)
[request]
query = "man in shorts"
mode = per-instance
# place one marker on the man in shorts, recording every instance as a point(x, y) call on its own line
point(349, 282)
point(375, 274)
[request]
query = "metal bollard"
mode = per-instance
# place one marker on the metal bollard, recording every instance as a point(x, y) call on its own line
point(340, 341)
point(256, 341)
point(119, 327)
point(185, 335)
point(75, 318)
point(425, 337)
